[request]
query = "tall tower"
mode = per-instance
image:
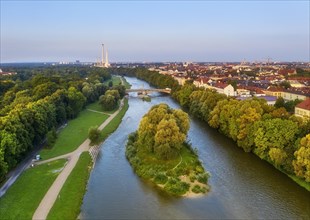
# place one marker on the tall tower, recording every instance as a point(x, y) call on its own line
point(102, 62)
point(106, 60)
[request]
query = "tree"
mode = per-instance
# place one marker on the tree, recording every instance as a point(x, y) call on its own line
point(93, 134)
point(301, 163)
point(45, 89)
point(148, 125)
point(163, 130)
point(280, 113)
point(88, 92)
point(168, 139)
point(290, 105)
point(278, 156)
point(278, 134)
point(109, 100)
point(121, 90)
point(76, 101)
point(114, 93)
point(279, 103)
point(183, 94)
point(51, 137)
point(285, 84)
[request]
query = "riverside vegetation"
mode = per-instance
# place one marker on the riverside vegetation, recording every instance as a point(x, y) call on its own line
point(270, 132)
point(38, 100)
point(158, 152)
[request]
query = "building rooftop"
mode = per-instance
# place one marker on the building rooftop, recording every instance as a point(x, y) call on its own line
point(304, 105)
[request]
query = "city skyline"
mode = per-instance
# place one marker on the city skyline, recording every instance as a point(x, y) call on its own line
point(150, 31)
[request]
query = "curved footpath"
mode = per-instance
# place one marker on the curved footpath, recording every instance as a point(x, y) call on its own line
point(52, 194)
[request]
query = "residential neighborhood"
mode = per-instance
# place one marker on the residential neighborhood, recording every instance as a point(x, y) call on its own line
point(269, 81)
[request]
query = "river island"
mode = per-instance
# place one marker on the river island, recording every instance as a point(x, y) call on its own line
point(158, 152)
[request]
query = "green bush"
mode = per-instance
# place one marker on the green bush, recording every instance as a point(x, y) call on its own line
point(132, 138)
point(173, 181)
point(135, 161)
point(150, 173)
point(204, 189)
point(182, 170)
point(51, 137)
point(94, 134)
point(196, 189)
point(176, 187)
point(171, 173)
point(192, 177)
point(161, 178)
point(199, 169)
point(131, 151)
point(203, 177)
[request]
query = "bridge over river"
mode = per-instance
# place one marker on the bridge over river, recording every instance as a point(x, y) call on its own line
point(148, 91)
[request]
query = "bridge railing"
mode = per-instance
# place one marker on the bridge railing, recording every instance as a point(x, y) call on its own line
point(149, 90)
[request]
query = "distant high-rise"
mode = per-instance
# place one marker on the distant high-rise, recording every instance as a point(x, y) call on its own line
point(106, 64)
point(104, 59)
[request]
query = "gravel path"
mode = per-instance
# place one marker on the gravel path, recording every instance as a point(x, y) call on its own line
point(50, 197)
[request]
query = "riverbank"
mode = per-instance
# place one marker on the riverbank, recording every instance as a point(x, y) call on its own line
point(50, 198)
point(27, 185)
point(68, 203)
point(69, 139)
point(52, 194)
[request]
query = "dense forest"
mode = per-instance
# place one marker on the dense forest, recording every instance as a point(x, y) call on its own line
point(37, 100)
point(270, 132)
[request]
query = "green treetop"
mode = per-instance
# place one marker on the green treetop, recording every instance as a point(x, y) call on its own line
point(163, 130)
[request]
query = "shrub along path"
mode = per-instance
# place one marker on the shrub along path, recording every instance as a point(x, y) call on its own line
point(52, 194)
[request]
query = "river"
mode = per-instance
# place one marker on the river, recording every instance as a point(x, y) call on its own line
point(242, 185)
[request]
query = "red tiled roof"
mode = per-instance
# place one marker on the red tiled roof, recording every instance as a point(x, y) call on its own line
point(305, 104)
point(275, 89)
point(204, 80)
point(220, 85)
point(252, 88)
point(286, 71)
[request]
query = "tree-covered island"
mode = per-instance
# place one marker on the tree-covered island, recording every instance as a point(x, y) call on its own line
point(158, 152)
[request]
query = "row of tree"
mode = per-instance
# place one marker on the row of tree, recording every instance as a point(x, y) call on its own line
point(34, 107)
point(270, 132)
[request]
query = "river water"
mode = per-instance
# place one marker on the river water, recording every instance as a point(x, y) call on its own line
point(242, 185)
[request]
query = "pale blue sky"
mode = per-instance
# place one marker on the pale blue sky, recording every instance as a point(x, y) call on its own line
point(154, 30)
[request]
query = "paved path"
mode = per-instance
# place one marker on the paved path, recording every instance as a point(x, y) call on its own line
point(91, 110)
point(50, 197)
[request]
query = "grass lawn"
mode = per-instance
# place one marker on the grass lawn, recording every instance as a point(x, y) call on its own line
point(113, 125)
point(76, 132)
point(300, 182)
point(115, 80)
point(126, 84)
point(97, 107)
point(25, 195)
point(67, 206)
point(71, 195)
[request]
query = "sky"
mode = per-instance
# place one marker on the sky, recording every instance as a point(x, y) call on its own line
point(154, 31)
